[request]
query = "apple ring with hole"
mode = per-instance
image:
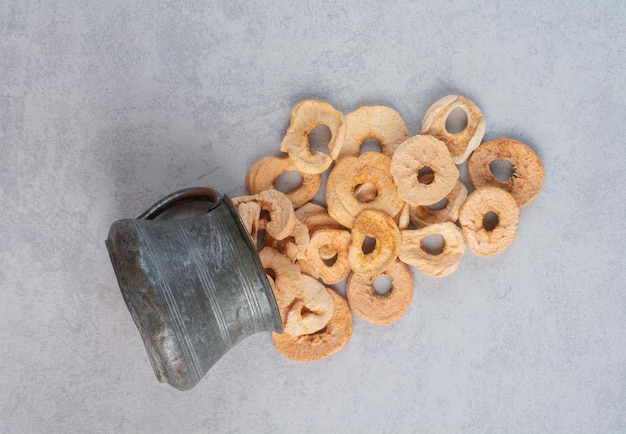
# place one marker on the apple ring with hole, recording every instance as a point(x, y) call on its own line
point(527, 175)
point(361, 183)
point(305, 116)
point(294, 245)
point(423, 215)
point(327, 255)
point(487, 236)
point(316, 217)
point(412, 159)
point(376, 308)
point(323, 343)
point(380, 227)
point(440, 264)
point(264, 173)
point(250, 213)
point(303, 302)
point(335, 207)
point(462, 143)
point(277, 204)
point(310, 308)
point(381, 123)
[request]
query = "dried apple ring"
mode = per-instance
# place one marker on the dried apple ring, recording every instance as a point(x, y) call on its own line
point(412, 251)
point(403, 218)
point(250, 213)
point(422, 153)
point(316, 217)
point(332, 338)
point(326, 244)
point(527, 177)
point(460, 144)
point(282, 218)
point(381, 123)
point(279, 264)
point(383, 230)
point(335, 207)
point(291, 287)
point(265, 171)
point(350, 175)
point(311, 307)
point(376, 308)
point(309, 209)
point(486, 237)
point(294, 245)
point(423, 215)
point(305, 116)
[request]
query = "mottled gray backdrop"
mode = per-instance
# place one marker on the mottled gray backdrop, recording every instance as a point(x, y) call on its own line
point(105, 106)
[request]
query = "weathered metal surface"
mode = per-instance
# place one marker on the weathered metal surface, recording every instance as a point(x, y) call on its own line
point(194, 286)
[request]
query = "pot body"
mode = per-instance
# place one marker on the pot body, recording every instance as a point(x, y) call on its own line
point(194, 286)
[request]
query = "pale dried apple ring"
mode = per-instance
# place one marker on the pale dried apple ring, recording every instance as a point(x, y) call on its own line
point(376, 308)
point(316, 217)
point(305, 116)
point(332, 338)
point(278, 263)
point(309, 209)
point(485, 241)
point(527, 177)
point(381, 123)
point(423, 216)
point(250, 213)
point(369, 171)
point(335, 207)
point(417, 153)
point(460, 144)
point(294, 245)
point(310, 308)
point(413, 253)
point(324, 245)
point(290, 287)
point(383, 229)
point(265, 171)
point(297, 243)
point(403, 218)
point(282, 217)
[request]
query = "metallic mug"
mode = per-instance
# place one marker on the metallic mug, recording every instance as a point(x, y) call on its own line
point(194, 286)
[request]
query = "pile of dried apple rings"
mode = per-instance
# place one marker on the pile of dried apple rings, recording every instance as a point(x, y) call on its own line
point(394, 198)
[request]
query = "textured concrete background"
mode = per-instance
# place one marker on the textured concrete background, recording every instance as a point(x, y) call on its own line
point(107, 106)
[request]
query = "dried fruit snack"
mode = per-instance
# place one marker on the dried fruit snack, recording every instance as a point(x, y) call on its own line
point(412, 251)
point(423, 215)
point(377, 195)
point(292, 288)
point(381, 123)
point(370, 169)
point(482, 238)
point(423, 152)
point(383, 230)
point(323, 343)
point(316, 217)
point(327, 245)
point(462, 143)
point(376, 308)
point(527, 177)
point(282, 217)
point(305, 117)
point(265, 171)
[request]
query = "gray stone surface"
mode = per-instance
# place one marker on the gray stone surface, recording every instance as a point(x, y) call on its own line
point(107, 106)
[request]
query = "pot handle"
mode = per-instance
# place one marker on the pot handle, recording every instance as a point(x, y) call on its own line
point(179, 197)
